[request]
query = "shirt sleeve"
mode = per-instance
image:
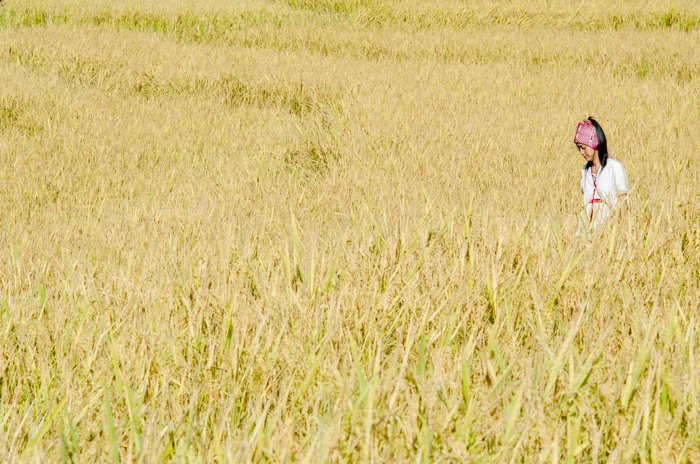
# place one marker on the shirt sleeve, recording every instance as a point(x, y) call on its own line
point(620, 179)
point(583, 178)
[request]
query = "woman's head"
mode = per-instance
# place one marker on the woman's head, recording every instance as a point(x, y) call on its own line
point(590, 140)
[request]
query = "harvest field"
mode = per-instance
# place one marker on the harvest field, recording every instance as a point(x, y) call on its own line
point(345, 231)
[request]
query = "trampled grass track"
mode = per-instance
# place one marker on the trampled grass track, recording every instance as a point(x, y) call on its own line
point(317, 231)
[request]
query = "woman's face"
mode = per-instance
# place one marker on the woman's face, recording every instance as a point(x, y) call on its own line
point(587, 152)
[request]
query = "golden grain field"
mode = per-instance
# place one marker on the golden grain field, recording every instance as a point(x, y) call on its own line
point(345, 231)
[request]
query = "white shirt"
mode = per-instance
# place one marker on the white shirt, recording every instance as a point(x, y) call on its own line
point(610, 182)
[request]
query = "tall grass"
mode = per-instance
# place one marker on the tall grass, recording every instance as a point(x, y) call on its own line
point(345, 231)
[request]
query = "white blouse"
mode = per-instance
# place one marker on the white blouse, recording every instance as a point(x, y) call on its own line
point(600, 191)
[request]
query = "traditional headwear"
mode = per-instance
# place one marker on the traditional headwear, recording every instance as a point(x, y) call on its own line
point(586, 134)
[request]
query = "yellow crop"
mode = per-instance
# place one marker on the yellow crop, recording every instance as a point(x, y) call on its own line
point(345, 231)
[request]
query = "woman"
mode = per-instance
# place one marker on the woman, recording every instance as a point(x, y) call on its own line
point(603, 182)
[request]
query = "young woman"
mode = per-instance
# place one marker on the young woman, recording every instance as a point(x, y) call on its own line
point(603, 181)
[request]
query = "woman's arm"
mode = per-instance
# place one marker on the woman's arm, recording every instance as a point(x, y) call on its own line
point(620, 180)
point(622, 198)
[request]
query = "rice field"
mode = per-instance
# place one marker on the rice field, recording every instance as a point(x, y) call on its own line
point(345, 231)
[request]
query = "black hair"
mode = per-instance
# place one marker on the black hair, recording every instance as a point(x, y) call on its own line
point(602, 144)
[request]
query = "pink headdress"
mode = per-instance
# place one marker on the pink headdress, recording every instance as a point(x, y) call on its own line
point(586, 134)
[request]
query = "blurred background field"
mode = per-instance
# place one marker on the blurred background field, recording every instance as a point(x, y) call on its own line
point(344, 230)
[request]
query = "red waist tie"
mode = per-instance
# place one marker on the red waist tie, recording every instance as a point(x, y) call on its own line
point(593, 200)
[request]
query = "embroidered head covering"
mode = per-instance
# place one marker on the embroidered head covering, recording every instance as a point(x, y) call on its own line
point(586, 134)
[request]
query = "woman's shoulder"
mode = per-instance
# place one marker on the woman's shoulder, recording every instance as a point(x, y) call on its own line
point(615, 166)
point(614, 163)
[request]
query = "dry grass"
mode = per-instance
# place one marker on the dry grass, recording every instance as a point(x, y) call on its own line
point(343, 230)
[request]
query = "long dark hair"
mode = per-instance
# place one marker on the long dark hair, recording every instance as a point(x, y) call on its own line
point(602, 144)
